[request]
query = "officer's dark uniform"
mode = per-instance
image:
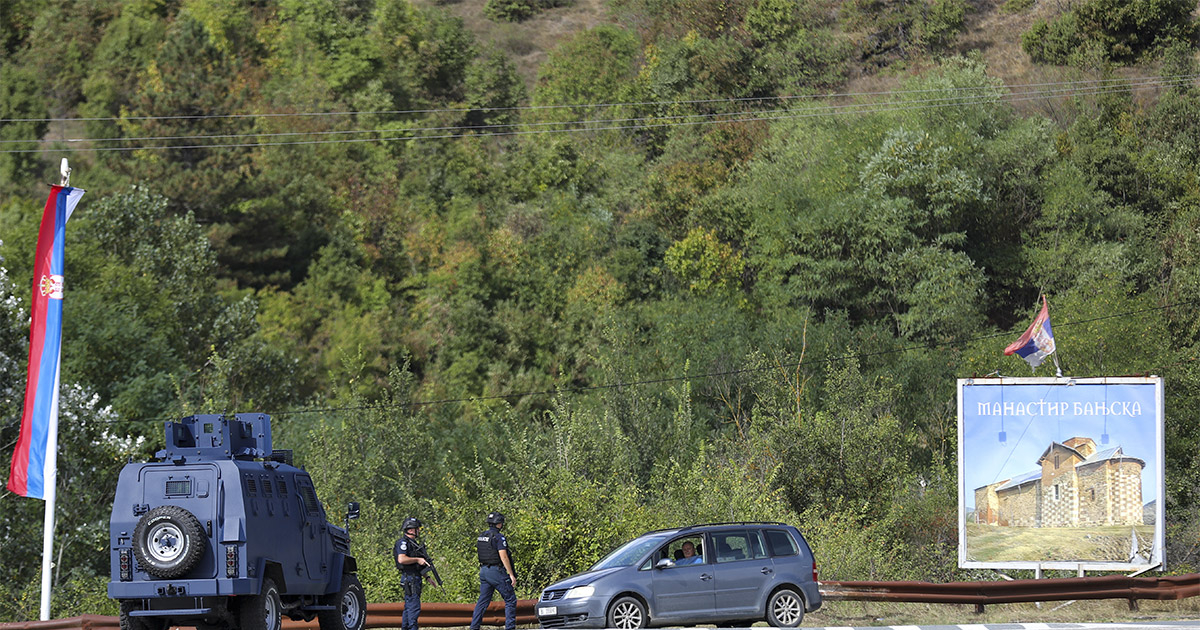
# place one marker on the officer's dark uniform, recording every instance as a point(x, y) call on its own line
point(410, 579)
point(493, 576)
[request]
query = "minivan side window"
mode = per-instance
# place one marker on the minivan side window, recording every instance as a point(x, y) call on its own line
point(781, 543)
point(678, 550)
point(732, 546)
point(757, 549)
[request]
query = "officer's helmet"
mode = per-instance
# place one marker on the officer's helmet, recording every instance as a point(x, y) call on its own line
point(411, 522)
point(495, 518)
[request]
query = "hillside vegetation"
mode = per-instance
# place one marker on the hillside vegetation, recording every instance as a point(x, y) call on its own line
point(603, 266)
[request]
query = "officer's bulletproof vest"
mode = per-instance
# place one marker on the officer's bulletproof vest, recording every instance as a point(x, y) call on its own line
point(415, 550)
point(487, 551)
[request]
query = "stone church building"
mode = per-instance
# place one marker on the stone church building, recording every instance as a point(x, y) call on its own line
point(1075, 486)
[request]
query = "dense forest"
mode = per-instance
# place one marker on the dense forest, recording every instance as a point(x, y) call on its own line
point(685, 261)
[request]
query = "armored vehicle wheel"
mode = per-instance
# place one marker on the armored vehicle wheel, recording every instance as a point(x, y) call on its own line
point(351, 611)
point(263, 611)
point(168, 541)
point(785, 609)
point(129, 622)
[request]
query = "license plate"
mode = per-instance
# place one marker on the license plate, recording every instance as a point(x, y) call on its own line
point(547, 611)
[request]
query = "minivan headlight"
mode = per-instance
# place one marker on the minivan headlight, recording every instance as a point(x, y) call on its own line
point(580, 591)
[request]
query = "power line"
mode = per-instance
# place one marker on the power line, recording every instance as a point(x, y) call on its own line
point(469, 131)
point(692, 377)
point(952, 100)
point(401, 112)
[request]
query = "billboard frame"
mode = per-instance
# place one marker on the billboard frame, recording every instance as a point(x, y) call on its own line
point(1157, 559)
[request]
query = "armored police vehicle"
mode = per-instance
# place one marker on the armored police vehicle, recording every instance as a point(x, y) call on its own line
point(223, 532)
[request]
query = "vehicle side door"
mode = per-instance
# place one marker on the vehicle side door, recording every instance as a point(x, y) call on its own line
point(681, 591)
point(793, 561)
point(314, 537)
point(743, 572)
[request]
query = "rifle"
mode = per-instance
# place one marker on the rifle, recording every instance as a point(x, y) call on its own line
point(429, 569)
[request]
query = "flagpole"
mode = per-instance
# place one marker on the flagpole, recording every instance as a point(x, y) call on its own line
point(51, 483)
point(51, 495)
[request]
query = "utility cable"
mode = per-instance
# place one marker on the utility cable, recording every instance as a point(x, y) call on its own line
point(951, 100)
point(399, 112)
point(691, 377)
point(847, 109)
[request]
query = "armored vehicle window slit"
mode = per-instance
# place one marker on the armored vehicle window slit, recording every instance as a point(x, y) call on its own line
point(178, 488)
point(309, 495)
point(282, 487)
point(251, 488)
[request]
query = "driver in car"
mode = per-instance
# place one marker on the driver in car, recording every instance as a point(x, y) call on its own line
point(689, 555)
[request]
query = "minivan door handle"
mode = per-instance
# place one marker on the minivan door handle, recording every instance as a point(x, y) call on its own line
point(766, 570)
point(705, 577)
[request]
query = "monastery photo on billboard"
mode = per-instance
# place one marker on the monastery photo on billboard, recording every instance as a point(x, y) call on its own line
point(1075, 484)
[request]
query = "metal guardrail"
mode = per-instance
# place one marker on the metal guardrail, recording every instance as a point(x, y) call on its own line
point(83, 622)
point(1013, 591)
point(433, 615)
point(438, 615)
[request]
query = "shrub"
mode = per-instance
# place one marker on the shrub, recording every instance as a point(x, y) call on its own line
point(942, 22)
point(1124, 30)
point(1129, 29)
point(1016, 6)
point(519, 10)
point(897, 29)
point(1052, 42)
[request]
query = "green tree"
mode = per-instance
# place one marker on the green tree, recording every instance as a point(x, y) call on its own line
point(831, 457)
point(493, 90)
point(20, 100)
point(898, 28)
point(588, 68)
point(188, 76)
point(705, 264)
point(1124, 31)
point(518, 10)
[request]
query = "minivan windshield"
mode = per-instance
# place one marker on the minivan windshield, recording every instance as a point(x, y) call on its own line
point(628, 553)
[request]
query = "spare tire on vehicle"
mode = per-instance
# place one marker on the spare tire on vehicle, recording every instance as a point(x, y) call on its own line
point(168, 541)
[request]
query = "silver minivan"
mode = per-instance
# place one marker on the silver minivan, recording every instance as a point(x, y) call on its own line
point(720, 573)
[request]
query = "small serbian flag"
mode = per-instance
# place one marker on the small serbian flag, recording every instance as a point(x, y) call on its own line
point(33, 461)
point(1038, 342)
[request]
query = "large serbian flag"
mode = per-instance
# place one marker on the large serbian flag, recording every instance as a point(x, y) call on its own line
point(33, 461)
point(1038, 342)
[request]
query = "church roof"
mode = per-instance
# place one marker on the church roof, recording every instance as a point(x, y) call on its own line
point(1046, 453)
point(1113, 453)
point(1021, 479)
point(1095, 458)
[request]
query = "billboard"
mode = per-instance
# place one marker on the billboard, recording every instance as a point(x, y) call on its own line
point(1060, 473)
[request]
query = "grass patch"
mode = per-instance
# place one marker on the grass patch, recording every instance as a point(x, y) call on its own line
point(989, 543)
point(1016, 6)
point(846, 613)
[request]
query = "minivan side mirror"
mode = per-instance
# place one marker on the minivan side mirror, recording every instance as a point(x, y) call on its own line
point(665, 563)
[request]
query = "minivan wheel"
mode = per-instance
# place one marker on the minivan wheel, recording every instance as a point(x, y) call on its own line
point(626, 613)
point(785, 609)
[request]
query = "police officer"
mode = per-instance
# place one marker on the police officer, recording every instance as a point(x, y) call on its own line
point(411, 558)
point(495, 573)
